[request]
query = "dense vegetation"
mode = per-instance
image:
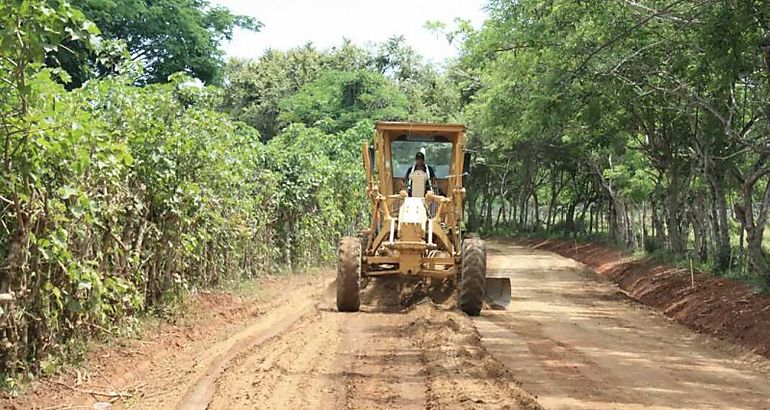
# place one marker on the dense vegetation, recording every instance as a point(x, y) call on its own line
point(125, 184)
point(117, 196)
point(165, 36)
point(645, 119)
point(334, 89)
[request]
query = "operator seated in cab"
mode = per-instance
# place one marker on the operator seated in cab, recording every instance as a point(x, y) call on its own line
point(419, 177)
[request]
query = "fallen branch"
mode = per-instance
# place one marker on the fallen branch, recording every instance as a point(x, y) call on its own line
point(6, 297)
point(111, 395)
point(101, 328)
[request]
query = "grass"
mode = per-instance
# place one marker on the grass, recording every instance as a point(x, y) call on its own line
point(736, 273)
point(757, 283)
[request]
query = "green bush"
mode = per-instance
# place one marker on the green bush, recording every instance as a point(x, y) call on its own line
point(124, 197)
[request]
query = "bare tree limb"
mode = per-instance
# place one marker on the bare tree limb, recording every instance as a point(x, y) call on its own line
point(659, 14)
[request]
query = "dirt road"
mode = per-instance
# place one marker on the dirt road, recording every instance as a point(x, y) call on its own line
point(576, 342)
point(380, 358)
point(569, 337)
point(297, 351)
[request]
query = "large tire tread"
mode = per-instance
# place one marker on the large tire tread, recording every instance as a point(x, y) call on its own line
point(473, 276)
point(349, 275)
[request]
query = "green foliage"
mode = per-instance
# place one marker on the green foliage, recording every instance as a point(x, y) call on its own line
point(256, 88)
point(117, 199)
point(320, 195)
point(644, 116)
point(136, 195)
point(337, 100)
point(338, 87)
point(166, 36)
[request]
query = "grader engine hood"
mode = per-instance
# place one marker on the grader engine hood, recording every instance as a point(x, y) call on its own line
point(412, 221)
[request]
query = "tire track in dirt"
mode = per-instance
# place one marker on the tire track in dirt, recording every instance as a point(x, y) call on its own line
point(382, 369)
point(328, 360)
point(174, 358)
point(427, 357)
point(576, 372)
point(294, 370)
point(296, 351)
point(205, 374)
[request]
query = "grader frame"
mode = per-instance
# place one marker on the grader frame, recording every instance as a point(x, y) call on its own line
point(419, 235)
point(443, 233)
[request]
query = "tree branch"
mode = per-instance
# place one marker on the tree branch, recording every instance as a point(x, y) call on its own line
point(659, 14)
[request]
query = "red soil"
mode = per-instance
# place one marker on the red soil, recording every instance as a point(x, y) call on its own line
point(720, 307)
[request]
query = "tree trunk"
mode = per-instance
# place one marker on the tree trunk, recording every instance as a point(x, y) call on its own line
point(473, 215)
point(755, 228)
point(630, 235)
point(757, 259)
point(643, 221)
point(699, 220)
point(569, 224)
point(617, 218)
point(676, 240)
point(555, 190)
point(512, 212)
point(524, 216)
point(659, 232)
point(721, 228)
point(488, 200)
point(500, 213)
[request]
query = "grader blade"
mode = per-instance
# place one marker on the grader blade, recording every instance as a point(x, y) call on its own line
point(497, 292)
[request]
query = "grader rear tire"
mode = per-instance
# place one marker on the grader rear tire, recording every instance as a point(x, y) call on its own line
point(472, 276)
point(349, 275)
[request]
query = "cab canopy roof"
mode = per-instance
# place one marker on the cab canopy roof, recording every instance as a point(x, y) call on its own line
point(419, 131)
point(418, 127)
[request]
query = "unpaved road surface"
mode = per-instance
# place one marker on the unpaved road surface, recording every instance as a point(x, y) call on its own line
point(427, 356)
point(296, 351)
point(577, 343)
point(569, 338)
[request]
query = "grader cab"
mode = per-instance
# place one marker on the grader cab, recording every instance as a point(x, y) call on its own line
point(415, 227)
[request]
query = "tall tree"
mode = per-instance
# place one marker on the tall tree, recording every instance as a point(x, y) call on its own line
point(255, 88)
point(337, 100)
point(662, 104)
point(166, 36)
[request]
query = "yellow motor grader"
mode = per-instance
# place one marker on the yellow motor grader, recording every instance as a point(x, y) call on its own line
point(416, 213)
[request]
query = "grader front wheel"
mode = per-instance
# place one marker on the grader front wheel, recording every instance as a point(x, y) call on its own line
point(472, 276)
point(349, 275)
